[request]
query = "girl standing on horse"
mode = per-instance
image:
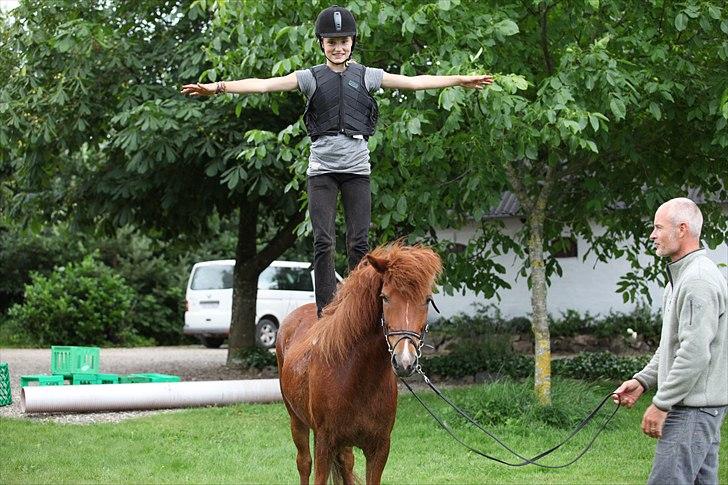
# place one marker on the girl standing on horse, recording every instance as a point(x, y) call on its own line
point(340, 116)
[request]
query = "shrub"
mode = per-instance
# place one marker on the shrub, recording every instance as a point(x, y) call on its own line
point(488, 321)
point(599, 365)
point(12, 334)
point(83, 303)
point(642, 321)
point(256, 358)
point(572, 323)
point(23, 252)
point(492, 355)
point(158, 282)
point(469, 360)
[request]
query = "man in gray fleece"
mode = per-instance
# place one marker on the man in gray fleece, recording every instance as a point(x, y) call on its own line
point(690, 367)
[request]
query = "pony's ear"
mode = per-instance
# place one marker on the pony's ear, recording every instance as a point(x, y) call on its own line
point(380, 264)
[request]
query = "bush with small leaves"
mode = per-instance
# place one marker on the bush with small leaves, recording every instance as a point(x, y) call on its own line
point(257, 358)
point(599, 365)
point(82, 303)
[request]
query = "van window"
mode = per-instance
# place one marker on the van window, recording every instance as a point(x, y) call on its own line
point(212, 278)
point(273, 278)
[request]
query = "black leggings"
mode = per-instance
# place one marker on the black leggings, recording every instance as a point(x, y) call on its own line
point(356, 195)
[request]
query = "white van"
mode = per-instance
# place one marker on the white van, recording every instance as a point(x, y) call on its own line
point(282, 287)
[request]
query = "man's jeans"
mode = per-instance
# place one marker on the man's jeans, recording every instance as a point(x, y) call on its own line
point(357, 199)
point(687, 453)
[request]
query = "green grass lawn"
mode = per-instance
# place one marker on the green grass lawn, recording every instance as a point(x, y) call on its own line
point(252, 444)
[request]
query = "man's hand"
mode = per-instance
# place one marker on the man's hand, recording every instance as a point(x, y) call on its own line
point(628, 393)
point(199, 89)
point(476, 82)
point(653, 420)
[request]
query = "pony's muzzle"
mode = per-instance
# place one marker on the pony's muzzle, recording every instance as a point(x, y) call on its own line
point(405, 361)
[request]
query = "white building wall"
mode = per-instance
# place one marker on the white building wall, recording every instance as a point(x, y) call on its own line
point(586, 286)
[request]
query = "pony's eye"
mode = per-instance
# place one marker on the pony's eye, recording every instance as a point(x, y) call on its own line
point(384, 298)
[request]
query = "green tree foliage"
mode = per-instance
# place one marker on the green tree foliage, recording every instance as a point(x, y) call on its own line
point(600, 111)
point(93, 128)
point(83, 303)
point(622, 110)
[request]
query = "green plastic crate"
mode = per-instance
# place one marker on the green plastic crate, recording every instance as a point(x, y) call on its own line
point(6, 397)
point(67, 360)
point(108, 378)
point(42, 380)
point(149, 377)
point(80, 379)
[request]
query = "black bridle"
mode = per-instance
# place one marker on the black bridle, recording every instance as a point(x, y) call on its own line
point(407, 335)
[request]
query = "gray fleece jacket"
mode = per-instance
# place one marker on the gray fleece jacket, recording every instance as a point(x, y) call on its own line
point(690, 366)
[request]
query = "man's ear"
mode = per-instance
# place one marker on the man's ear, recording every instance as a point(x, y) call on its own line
point(683, 229)
point(380, 264)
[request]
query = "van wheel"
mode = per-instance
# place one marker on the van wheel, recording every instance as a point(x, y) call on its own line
point(266, 331)
point(212, 342)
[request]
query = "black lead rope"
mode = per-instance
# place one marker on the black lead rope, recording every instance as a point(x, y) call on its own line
point(526, 461)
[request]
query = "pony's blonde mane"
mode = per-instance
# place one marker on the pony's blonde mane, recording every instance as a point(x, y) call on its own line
point(356, 307)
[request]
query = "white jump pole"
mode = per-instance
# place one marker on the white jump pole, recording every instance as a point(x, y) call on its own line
point(152, 395)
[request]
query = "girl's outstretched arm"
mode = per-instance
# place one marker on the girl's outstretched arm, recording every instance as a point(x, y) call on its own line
point(397, 81)
point(243, 86)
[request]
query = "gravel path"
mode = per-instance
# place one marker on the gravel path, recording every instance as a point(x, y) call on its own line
point(191, 363)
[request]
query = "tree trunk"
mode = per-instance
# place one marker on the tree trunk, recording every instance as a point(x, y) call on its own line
point(539, 323)
point(249, 262)
point(535, 211)
point(245, 284)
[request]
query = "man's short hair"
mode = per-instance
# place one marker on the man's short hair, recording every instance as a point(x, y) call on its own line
point(685, 210)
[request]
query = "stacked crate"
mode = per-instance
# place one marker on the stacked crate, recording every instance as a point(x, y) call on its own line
point(77, 365)
point(138, 378)
point(5, 397)
point(80, 365)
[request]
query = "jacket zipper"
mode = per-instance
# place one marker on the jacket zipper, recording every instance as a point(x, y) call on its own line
point(341, 102)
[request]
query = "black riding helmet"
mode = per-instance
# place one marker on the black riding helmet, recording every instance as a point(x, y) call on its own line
point(336, 21)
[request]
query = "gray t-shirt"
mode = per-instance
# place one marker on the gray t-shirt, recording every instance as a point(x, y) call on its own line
point(338, 153)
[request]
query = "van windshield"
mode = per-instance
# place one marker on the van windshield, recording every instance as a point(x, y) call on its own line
point(212, 278)
point(276, 278)
point(220, 277)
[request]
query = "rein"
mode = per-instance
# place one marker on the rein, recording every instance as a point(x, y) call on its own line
point(409, 335)
point(525, 461)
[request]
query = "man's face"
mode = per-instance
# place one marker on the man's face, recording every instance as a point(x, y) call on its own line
point(665, 234)
point(337, 49)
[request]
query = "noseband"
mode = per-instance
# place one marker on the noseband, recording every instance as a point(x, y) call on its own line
point(406, 335)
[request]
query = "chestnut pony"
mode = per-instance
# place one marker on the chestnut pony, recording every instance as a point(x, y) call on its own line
point(337, 373)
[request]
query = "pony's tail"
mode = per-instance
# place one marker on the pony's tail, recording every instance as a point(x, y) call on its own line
point(338, 471)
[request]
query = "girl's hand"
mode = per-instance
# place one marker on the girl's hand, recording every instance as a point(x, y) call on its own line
point(199, 89)
point(476, 82)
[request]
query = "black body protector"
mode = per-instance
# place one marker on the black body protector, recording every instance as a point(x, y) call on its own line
point(341, 103)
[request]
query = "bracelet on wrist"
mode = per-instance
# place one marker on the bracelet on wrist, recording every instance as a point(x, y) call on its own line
point(220, 88)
